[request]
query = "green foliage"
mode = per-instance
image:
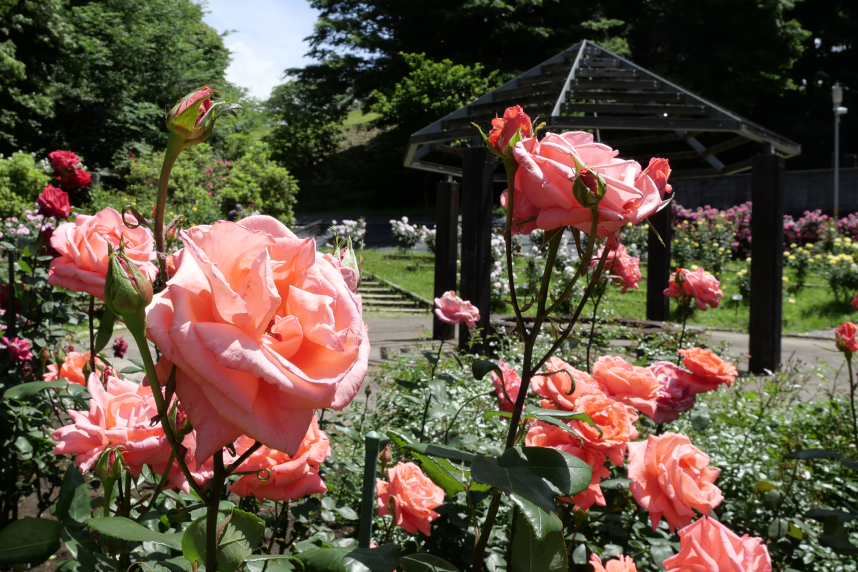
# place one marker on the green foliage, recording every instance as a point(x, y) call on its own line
point(707, 243)
point(29, 540)
point(239, 534)
point(126, 529)
point(22, 178)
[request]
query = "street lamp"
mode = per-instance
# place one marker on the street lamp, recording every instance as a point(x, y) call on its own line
point(837, 99)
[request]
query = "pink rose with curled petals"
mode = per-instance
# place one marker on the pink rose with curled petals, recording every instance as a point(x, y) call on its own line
point(548, 169)
point(703, 288)
point(453, 310)
point(263, 331)
point(659, 171)
point(630, 384)
point(619, 564)
point(119, 414)
point(82, 244)
point(410, 496)
point(671, 478)
point(511, 382)
point(709, 546)
point(710, 371)
point(675, 393)
point(626, 268)
point(18, 348)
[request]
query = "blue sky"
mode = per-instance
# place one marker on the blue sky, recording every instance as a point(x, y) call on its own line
point(268, 37)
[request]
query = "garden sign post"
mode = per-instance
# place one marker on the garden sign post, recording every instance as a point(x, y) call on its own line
point(658, 266)
point(446, 249)
point(767, 229)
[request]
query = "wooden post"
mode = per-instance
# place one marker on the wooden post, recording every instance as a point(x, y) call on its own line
point(478, 164)
point(658, 266)
point(446, 249)
point(767, 245)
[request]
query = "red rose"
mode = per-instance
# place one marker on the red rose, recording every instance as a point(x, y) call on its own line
point(504, 129)
point(63, 161)
point(845, 338)
point(54, 202)
point(78, 178)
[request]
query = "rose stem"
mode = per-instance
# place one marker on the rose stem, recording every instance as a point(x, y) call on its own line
point(161, 484)
point(432, 377)
point(212, 511)
point(852, 396)
point(92, 335)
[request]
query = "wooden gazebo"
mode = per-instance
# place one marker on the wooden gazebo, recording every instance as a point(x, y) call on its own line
point(643, 115)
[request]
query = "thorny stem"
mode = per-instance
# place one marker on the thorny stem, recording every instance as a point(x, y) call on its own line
point(511, 165)
point(852, 397)
point(596, 302)
point(685, 311)
point(161, 484)
point(473, 516)
point(212, 511)
point(91, 334)
point(244, 456)
point(432, 377)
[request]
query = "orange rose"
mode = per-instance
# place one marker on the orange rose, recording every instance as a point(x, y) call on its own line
point(411, 495)
point(504, 129)
point(621, 564)
point(72, 368)
point(845, 338)
point(629, 384)
point(557, 387)
point(707, 545)
point(671, 478)
point(703, 288)
point(711, 370)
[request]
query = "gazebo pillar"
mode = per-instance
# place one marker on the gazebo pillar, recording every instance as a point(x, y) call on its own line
point(446, 248)
point(658, 266)
point(478, 166)
point(767, 245)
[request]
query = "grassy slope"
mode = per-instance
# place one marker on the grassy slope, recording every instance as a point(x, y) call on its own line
point(420, 280)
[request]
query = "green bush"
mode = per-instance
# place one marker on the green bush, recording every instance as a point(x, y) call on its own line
point(21, 181)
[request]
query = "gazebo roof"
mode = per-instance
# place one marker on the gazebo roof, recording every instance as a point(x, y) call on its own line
point(590, 88)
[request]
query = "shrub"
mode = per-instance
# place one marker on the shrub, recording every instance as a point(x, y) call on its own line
point(407, 235)
point(22, 178)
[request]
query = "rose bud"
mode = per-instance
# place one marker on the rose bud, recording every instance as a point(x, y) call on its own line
point(192, 119)
point(110, 464)
point(127, 291)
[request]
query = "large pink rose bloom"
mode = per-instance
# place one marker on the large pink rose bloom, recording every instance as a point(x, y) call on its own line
point(709, 546)
point(630, 384)
point(453, 310)
point(703, 288)
point(119, 415)
point(82, 244)
point(411, 496)
point(671, 478)
point(263, 329)
point(626, 268)
point(543, 185)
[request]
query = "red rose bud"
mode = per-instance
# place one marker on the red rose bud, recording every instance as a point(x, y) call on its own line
point(183, 425)
point(54, 202)
point(127, 291)
point(194, 116)
point(120, 346)
point(110, 465)
point(505, 128)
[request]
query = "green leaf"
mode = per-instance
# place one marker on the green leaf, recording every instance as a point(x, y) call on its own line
point(481, 367)
point(138, 362)
point(24, 266)
point(407, 384)
point(764, 486)
point(438, 390)
point(380, 559)
point(130, 369)
point(348, 513)
point(425, 563)
point(660, 553)
point(808, 454)
point(126, 529)
point(241, 535)
point(73, 501)
point(29, 540)
point(439, 451)
point(773, 499)
point(29, 390)
point(349, 432)
point(532, 554)
point(23, 445)
point(564, 473)
point(778, 528)
point(440, 475)
point(398, 439)
point(851, 463)
point(615, 484)
point(105, 331)
point(700, 420)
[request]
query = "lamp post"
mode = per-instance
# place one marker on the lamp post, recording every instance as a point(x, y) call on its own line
point(837, 99)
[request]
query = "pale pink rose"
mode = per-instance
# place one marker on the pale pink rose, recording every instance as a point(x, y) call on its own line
point(620, 564)
point(547, 169)
point(671, 478)
point(512, 384)
point(263, 330)
point(119, 415)
point(453, 310)
point(281, 477)
point(411, 496)
point(709, 546)
point(703, 288)
point(554, 383)
point(72, 368)
point(82, 244)
point(545, 435)
point(675, 393)
point(627, 383)
point(619, 263)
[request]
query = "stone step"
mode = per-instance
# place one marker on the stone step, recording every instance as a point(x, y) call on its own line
point(401, 310)
point(390, 303)
point(383, 297)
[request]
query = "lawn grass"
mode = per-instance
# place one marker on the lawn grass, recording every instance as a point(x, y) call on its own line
point(815, 307)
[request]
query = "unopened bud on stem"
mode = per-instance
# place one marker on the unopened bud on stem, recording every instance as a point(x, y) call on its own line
point(127, 291)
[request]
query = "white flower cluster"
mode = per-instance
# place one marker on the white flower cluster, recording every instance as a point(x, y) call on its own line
point(429, 237)
point(407, 235)
point(355, 229)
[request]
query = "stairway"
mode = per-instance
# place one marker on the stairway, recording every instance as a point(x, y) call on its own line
point(380, 296)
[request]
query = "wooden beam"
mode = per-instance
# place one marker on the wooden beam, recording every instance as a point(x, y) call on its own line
point(450, 135)
point(636, 108)
point(645, 140)
point(446, 249)
point(563, 67)
point(522, 101)
point(672, 156)
point(644, 123)
point(728, 144)
point(583, 83)
point(600, 62)
point(544, 78)
point(486, 118)
point(447, 149)
point(597, 72)
point(507, 94)
point(645, 97)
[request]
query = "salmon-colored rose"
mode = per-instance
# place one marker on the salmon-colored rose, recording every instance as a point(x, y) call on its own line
point(627, 383)
point(544, 435)
point(82, 244)
point(671, 478)
point(675, 394)
point(263, 330)
point(511, 382)
point(710, 370)
point(453, 310)
point(547, 170)
point(411, 495)
point(72, 368)
point(703, 288)
point(659, 170)
point(844, 337)
point(280, 477)
point(626, 268)
point(554, 383)
point(709, 546)
point(119, 415)
point(620, 564)
point(504, 129)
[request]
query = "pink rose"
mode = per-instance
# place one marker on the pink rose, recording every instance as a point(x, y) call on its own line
point(511, 382)
point(709, 546)
point(675, 394)
point(504, 129)
point(82, 244)
point(54, 202)
point(453, 310)
point(119, 415)
point(280, 477)
point(671, 478)
point(703, 288)
point(411, 496)
point(844, 337)
point(72, 368)
point(621, 564)
point(659, 171)
point(619, 263)
point(543, 185)
point(555, 384)
point(19, 349)
point(710, 371)
point(264, 330)
point(627, 383)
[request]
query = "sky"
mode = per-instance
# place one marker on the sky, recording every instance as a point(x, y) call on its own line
point(267, 38)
